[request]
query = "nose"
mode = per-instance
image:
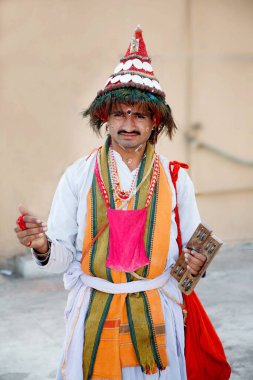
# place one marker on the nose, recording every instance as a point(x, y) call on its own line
point(129, 123)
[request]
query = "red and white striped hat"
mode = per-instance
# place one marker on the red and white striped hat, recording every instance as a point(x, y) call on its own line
point(134, 69)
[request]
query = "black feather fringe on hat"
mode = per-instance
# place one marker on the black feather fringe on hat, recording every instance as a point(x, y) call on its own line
point(101, 107)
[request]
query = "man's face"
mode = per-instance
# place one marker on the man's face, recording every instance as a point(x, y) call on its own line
point(130, 126)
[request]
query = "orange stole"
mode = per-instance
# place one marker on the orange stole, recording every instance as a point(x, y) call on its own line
point(116, 349)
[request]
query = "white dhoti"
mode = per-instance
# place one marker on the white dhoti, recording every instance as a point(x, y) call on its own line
point(80, 285)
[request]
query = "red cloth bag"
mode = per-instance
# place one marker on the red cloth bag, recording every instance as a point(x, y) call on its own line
point(204, 353)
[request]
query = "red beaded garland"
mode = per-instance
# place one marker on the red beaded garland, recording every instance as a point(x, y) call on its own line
point(122, 194)
point(153, 180)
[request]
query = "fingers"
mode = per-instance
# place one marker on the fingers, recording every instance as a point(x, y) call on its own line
point(31, 231)
point(194, 260)
point(31, 225)
point(22, 210)
point(31, 219)
point(35, 230)
point(27, 218)
point(198, 257)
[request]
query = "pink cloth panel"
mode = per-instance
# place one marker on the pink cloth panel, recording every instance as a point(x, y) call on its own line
point(126, 239)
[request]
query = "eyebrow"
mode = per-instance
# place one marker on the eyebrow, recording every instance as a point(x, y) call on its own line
point(140, 113)
point(132, 113)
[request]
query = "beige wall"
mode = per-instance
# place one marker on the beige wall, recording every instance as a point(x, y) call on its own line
point(56, 54)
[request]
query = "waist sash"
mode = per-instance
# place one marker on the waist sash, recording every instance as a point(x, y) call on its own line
point(126, 287)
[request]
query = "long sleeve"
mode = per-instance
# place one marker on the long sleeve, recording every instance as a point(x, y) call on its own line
point(188, 211)
point(62, 225)
point(187, 206)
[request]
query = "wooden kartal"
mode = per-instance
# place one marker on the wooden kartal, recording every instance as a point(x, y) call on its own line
point(203, 242)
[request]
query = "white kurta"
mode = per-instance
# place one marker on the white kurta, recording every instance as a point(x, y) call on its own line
point(66, 226)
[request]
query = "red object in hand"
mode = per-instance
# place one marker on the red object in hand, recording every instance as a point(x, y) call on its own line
point(21, 223)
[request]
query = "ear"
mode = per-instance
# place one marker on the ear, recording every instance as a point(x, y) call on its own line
point(156, 119)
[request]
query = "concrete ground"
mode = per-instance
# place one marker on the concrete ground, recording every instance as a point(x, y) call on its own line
point(32, 325)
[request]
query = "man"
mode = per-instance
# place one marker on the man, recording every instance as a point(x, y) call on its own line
point(112, 230)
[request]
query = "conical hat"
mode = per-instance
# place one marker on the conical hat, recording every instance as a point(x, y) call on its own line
point(134, 69)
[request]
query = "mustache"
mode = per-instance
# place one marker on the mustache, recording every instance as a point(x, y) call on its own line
point(127, 132)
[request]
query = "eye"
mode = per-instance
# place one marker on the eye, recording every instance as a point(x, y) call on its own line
point(140, 116)
point(117, 113)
